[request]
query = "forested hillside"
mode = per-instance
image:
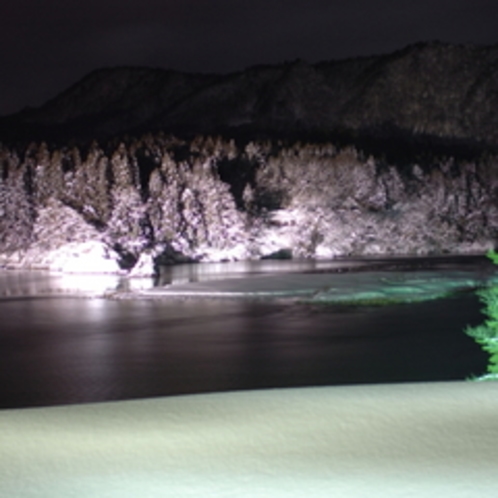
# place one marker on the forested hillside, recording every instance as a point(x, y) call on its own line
point(164, 199)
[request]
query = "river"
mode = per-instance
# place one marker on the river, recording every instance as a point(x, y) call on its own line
point(60, 348)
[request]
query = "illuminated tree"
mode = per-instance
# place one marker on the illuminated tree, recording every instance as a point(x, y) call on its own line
point(16, 207)
point(128, 223)
point(486, 334)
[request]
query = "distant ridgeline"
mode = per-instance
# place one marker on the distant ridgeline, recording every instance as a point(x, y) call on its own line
point(158, 198)
point(431, 93)
point(393, 154)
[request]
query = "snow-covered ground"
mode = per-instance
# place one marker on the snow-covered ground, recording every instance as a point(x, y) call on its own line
point(405, 440)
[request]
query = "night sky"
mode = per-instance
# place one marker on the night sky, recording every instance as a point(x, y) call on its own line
point(46, 45)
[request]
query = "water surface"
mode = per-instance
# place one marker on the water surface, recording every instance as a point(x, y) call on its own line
point(58, 350)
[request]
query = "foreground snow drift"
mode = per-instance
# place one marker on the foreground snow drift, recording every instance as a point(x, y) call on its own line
point(421, 440)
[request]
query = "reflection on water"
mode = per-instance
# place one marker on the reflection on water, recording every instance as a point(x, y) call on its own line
point(216, 271)
point(15, 283)
point(486, 334)
point(43, 283)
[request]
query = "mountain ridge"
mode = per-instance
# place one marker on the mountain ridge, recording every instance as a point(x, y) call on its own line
point(432, 89)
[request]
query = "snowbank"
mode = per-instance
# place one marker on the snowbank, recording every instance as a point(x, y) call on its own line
point(83, 257)
point(73, 257)
point(424, 440)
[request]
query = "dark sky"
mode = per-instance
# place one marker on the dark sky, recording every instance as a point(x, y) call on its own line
point(46, 45)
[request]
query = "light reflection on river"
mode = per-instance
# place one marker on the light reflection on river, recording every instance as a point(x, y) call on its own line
point(57, 350)
point(36, 283)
